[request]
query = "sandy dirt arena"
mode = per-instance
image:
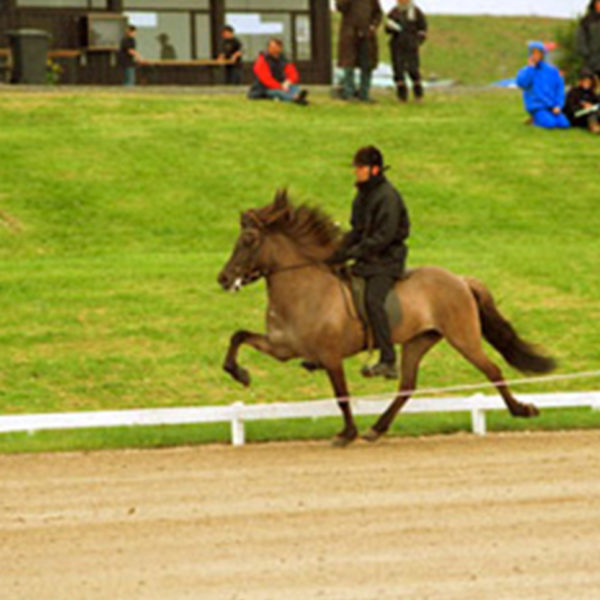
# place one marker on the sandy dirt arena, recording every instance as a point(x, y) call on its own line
point(509, 516)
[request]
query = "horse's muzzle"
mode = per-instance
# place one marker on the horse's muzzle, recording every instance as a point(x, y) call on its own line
point(229, 283)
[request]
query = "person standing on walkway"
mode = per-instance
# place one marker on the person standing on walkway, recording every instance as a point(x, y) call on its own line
point(129, 56)
point(358, 45)
point(407, 26)
point(231, 52)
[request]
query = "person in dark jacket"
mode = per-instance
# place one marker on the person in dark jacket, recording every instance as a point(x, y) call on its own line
point(377, 243)
point(587, 37)
point(129, 56)
point(232, 53)
point(407, 26)
point(275, 77)
point(583, 104)
point(543, 90)
point(357, 45)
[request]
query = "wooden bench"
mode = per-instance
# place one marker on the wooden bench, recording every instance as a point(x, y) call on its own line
point(214, 65)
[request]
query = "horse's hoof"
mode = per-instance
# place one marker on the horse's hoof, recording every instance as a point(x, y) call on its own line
point(242, 376)
point(238, 373)
point(526, 411)
point(343, 439)
point(371, 435)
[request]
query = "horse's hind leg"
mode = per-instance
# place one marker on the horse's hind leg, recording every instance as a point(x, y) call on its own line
point(413, 352)
point(474, 353)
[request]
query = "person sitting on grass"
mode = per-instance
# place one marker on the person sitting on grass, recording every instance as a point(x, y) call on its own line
point(275, 77)
point(543, 90)
point(583, 104)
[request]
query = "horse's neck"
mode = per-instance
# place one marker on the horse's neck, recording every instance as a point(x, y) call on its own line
point(291, 273)
point(280, 253)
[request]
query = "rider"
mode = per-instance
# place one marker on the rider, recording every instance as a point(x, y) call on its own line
point(380, 226)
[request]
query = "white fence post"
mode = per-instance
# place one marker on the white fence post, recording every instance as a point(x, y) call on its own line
point(478, 423)
point(238, 433)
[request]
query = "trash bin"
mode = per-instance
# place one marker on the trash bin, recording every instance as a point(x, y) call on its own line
point(29, 54)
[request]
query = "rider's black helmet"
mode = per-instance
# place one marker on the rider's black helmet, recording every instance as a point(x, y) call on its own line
point(369, 156)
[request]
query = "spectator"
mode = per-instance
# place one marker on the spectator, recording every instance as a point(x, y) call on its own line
point(231, 52)
point(275, 77)
point(129, 56)
point(587, 38)
point(543, 90)
point(583, 104)
point(358, 45)
point(407, 27)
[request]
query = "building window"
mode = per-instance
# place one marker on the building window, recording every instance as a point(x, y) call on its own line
point(303, 37)
point(162, 35)
point(255, 29)
point(267, 5)
point(202, 32)
point(167, 4)
point(88, 4)
point(54, 3)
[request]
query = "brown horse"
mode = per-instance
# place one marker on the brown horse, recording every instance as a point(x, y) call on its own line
point(310, 314)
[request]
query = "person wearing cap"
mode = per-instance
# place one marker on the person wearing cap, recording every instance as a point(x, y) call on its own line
point(583, 104)
point(377, 244)
point(407, 27)
point(357, 45)
point(276, 78)
point(587, 37)
point(543, 90)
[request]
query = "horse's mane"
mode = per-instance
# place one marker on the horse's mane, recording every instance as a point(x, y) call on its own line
point(309, 227)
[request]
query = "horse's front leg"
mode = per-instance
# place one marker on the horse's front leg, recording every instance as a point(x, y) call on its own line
point(258, 341)
point(340, 388)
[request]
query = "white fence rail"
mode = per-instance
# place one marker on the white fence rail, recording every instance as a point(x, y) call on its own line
point(236, 414)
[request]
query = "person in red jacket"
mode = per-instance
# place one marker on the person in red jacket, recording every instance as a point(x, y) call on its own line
point(275, 77)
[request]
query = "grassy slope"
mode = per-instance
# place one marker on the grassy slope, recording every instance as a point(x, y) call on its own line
point(122, 209)
point(475, 50)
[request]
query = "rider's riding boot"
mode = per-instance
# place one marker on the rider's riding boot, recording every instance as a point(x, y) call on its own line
point(381, 369)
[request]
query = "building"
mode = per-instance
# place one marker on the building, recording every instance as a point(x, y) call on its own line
point(179, 38)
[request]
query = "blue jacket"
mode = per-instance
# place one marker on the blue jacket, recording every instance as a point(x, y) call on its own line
point(543, 87)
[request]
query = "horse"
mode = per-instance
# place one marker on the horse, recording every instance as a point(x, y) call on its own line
point(311, 315)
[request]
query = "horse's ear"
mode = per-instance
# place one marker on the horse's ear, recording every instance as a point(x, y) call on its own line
point(250, 219)
point(281, 199)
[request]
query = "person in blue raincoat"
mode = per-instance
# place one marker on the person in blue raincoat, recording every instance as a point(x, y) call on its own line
point(543, 90)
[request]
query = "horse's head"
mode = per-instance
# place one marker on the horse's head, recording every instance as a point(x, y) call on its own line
point(245, 264)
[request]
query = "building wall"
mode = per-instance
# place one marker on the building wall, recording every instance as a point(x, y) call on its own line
point(193, 28)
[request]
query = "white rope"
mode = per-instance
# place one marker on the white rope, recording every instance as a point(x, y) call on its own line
point(478, 386)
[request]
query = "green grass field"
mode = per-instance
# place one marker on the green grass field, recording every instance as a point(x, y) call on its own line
point(118, 210)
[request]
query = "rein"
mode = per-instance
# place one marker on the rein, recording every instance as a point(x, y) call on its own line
point(347, 304)
point(268, 273)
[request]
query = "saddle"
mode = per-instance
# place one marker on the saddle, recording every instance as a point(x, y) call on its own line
point(392, 306)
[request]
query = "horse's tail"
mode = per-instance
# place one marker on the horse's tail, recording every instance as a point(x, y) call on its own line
point(501, 335)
